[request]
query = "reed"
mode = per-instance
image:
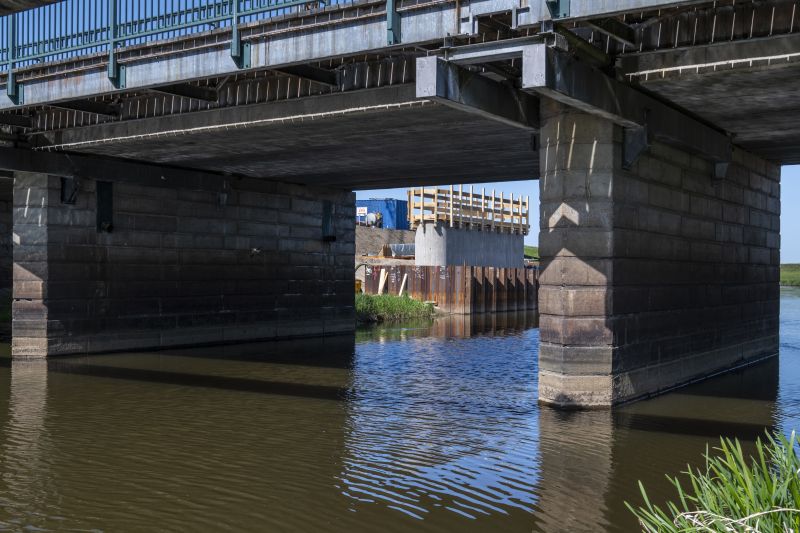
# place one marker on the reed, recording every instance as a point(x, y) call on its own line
point(385, 307)
point(733, 492)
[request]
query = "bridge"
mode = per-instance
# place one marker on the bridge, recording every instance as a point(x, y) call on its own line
point(183, 170)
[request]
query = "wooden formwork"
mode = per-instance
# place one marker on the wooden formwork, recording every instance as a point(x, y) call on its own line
point(461, 289)
point(467, 209)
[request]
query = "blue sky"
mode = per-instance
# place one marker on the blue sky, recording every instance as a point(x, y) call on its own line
point(790, 217)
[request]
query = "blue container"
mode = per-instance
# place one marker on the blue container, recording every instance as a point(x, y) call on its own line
point(394, 213)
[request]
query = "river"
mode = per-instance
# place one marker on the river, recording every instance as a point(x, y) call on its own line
point(405, 428)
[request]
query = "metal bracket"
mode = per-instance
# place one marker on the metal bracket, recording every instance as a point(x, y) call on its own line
point(240, 52)
point(635, 142)
point(392, 22)
point(559, 9)
point(13, 89)
point(721, 170)
point(116, 72)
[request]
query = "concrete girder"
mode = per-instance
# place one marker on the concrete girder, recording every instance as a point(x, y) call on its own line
point(89, 106)
point(581, 9)
point(474, 54)
point(457, 87)
point(285, 49)
point(11, 119)
point(747, 88)
point(236, 117)
point(106, 169)
point(614, 29)
point(554, 74)
point(364, 139)
point(315, 74)
point(770, 52)
point(187, 90)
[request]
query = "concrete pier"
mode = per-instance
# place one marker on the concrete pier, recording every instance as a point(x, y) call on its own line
point(103, 266)
point(654, 276)
point(440, 245)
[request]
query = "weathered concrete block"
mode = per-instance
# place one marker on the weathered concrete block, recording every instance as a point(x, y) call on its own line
point(177, 268)
point(679, 283)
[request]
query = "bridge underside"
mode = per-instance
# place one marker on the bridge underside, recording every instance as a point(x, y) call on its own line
point(229, 214)
point(370, 139)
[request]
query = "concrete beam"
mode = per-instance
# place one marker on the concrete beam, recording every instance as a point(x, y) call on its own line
point(556, 75)
point(348, 31)
point(239, 117)
point(11, 119)
point(457, 87)
point(593, 8)
point(315, 74)
point(89, 106)
point(479, 53)
point(614, 29)
point(107, 169)
point(187, 90)
point(778, 51)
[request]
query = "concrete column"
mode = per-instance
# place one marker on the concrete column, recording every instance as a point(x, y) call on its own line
point(177, 266)
point(437, 244)
point(6, 254)
point(6, 221)
point(651, 277)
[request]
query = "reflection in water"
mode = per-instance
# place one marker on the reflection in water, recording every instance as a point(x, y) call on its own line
point(25, 469)
point(576, 463)
point(431, 427)
point(436, 426)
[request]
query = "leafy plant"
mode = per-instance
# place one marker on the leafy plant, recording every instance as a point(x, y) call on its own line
point(733, 493)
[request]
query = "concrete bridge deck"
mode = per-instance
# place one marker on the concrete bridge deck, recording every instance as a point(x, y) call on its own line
point(656, 130)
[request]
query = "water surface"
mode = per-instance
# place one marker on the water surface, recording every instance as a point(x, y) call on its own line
point(420, 427)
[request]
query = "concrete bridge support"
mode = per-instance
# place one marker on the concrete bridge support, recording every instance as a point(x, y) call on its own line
point(6, 221)
point(653, 276)
point(117, 265)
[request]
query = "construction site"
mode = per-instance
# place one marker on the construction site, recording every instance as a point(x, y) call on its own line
point(456, 247)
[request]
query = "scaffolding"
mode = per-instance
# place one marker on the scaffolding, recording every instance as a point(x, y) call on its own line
point(458, 208)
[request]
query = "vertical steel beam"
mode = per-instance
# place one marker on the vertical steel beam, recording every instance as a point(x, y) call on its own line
point(116, 72)
point(558, 8)
point(13, 89)
point(240, 52)
point(392, 22)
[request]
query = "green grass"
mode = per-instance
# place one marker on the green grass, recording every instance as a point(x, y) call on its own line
point(733, 492)
point(790, 275)
point(385, 307)
point(532, 252)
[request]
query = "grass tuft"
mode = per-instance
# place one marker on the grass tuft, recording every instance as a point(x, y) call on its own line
point(385, 307)
point(790, 275)
point(733, 492)
point(532, 252)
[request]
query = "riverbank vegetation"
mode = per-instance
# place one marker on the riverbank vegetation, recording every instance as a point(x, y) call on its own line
point(733, 492)
point(386, 307)
point(790, 275)
point(532, 252)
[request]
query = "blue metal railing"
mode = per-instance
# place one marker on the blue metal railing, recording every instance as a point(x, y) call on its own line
point(80, 27)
